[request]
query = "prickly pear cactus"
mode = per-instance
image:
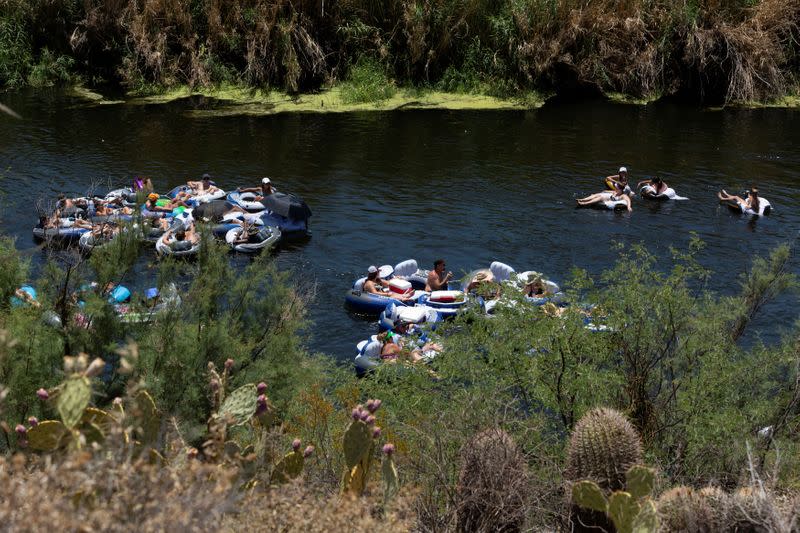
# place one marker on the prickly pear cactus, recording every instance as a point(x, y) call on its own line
point(148, 419)
point(391, 481)
point(289, 467)
point(357, 442)
point(72, 400)
point(91, 434)
point(102, 419)
point(589, 496)
point(240, 405)
point(604, 445)
point(640, 481)
point(48, 436)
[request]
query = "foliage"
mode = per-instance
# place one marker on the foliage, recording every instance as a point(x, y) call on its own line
point(367, 83)
point(713, 51)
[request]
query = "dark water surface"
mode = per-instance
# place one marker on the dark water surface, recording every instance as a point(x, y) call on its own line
point(471, 187)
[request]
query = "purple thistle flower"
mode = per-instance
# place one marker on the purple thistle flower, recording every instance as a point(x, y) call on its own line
point(20, 429)
point(261, 388)
point(370, 405)
point(376, 404)
point(308, 451)
point(376, 432)
point(228, 364)
point(363, 415)
point(42, 394)
point(388, 449)
point(296, 444)
point(261, 404)
point(214, 384)
point(33, 421)
point(370, 420)
point(356, 414)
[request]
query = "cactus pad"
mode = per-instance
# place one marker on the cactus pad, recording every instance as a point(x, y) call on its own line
point(604, 445)
point(73, 399)
point(102, 419)
point(640, 481)
point(240, 405)
point(647, 519)
point(92, 433)
point(148, 418)
point(589, 496)
point(391, 481)
point(622, 509)
point(48, 435)
point(289, 467)
point(357, 443)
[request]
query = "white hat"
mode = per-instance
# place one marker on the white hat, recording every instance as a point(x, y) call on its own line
point(372, 269)
point(622, 169)
point(265, 181)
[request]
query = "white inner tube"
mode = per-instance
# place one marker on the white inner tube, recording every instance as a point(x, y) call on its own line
point(268, 235)
point(763, 206)
point(648, 191)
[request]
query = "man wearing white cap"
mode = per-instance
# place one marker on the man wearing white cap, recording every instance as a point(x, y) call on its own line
point(372, 282)
point(265, 190)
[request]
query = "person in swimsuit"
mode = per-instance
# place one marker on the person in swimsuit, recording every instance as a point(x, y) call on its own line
point(437, 279)
point(752, 202)
point(265, 190)
point(152, 204)
point(618, 182)
point(204, 186)
point(658, 185)
point(606, 196)
point(535, 288)
point(373, 281)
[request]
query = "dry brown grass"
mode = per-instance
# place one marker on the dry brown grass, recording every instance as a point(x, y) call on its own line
point(101, 492)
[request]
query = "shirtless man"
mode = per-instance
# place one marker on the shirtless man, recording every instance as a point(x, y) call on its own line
point(203, 186)
point(437, 279)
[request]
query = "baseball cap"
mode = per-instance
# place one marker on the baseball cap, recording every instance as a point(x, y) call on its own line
point(206, 176)
point(622, 169)
point(372, 269)
point(152, 196)
point(265, 181)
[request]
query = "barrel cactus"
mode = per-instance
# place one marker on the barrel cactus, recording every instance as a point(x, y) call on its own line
point(603, 448)
point(492, 484)
point(683, 509)
point(752, 511)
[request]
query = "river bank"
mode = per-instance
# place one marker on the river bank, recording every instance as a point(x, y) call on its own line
point(702, 53)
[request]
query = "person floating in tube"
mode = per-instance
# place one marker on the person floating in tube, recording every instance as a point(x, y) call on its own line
point(371, 285)
point(437, 279)
point(265, 190)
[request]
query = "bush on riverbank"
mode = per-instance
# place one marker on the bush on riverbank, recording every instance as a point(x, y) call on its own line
point(709, 51)
point(670, 361)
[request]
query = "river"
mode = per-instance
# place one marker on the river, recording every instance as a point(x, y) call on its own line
point(468, 186)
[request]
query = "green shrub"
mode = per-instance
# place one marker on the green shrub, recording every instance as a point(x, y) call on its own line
point(367, 83)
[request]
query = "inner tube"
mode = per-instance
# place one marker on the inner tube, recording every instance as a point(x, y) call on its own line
point(199, 198)
point(764, 208)
point(186, 250)
point(649, 192)
point(246, 200)
point(88, 242)
point(66, 232)
point(265, 237)
point(127, 194)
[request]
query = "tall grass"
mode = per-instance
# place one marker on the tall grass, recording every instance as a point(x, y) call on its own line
point(713, 50)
